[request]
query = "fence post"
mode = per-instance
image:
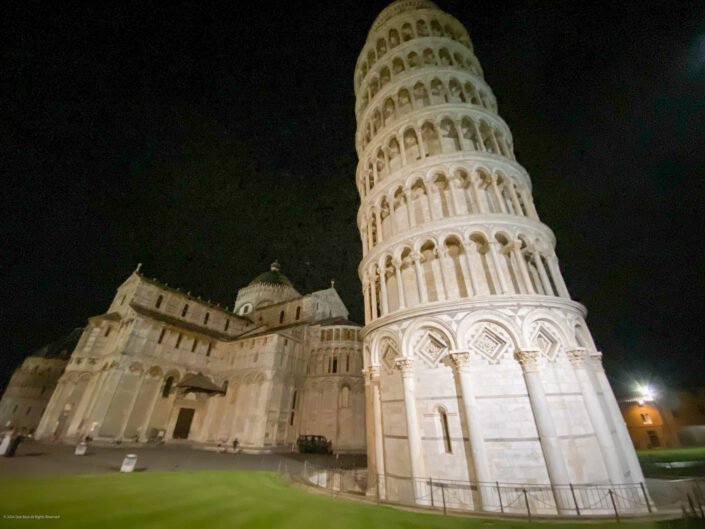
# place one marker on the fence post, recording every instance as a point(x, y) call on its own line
point(692, 505)
point(526, 501)
point(575, 500)
point(646, 497)
point(614, 506)
point(499, 495)
point(430, 484)
point(443, 495)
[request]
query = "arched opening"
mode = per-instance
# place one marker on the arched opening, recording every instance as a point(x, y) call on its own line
point(432, 144)
point(394, 155)
point(455, 92)
point(393, 38)
point(457, 261)
point(281, 317)
point(408, 277)
point(421, 95)
point(449, 136)
point(384, 77)
point(429, 59)
point(413, 60)
point(422, 28)
point(441, 197)
point(437, 92)
point(480, 261)
point(166, 390)
point(431, 272)
point(405, 105)
point(443, 417)
point(381, 47)
point(159, 301)
point(444, 55)
point(411, 146)
point(407, 33)
point(507, 262)
point(381, 165)
point(344, 397)
point(184, 311)
point(436, 28)
point(419, 204)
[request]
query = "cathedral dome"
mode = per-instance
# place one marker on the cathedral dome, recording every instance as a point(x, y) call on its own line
point(272, 277)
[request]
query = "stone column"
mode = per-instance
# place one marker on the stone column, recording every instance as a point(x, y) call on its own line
point(143, 428)
point(500, 199)
point(378, 222)
point(548, 437)
point(472, 257)
point(521, 266)
point(373, 293)
point(383, 289)
point(443, 265)
point(504, 282)
point(578, 358)
point(623, 438)
point(409, 203)
point(515, 199)
point(481, 144)
point(558, 277)
point(370, 235)
point(378, 429)
point(131, 407)
point(542, 274)
point(461, 362)
point(413, 431)
point(366, 298)
point(365, 245)
point(400, 283)
point(420, 279)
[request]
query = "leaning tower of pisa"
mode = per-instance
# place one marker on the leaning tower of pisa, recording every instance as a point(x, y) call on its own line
point(479, 366)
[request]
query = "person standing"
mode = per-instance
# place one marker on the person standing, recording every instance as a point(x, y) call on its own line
point(14, 444)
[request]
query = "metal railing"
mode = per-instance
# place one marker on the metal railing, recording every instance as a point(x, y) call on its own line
point(529, 500)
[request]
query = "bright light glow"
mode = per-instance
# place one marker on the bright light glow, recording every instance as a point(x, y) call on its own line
point(646, 393)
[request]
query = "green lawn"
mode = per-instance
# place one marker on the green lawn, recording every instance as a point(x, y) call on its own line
point(650, 460)
point(215, 499)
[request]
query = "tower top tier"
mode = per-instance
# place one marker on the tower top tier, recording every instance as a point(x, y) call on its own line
point(400, 6)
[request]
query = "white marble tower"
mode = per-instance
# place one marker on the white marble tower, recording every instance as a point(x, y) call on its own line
point(479, 366)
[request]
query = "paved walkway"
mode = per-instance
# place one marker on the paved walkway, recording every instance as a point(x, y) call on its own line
point(35, 458)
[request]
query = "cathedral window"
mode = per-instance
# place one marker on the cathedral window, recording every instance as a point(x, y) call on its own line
point(161, 336)
point(281, 317)
point(293, 408)
point(159, 301)
point(344, 401)
point(195, 344)
point(337, 334)
point(332, 364)
point(185, 310)
point(210, 348)
point(122, 301)
point(107, 330)
point(206, 318)
point(178, 340)
point(227, 324)
point(446, 432)
point(298, 312)
point(347, 363)
point(167, 387)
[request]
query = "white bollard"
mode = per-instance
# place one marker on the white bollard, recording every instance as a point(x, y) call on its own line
point(129, 463)
point(81, 449)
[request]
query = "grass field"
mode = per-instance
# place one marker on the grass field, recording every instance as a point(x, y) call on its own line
point(650, 460)
point(216, 499)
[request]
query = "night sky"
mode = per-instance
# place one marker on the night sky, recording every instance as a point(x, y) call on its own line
point(205, 142)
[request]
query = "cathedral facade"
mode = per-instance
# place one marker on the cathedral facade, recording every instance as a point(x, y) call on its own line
point(163, 365)
point(479, 366)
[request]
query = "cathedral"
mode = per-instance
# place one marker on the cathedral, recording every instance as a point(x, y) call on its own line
point(479, 365)
point(163, 365)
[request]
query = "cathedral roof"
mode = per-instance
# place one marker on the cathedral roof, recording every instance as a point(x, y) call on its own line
point(273, 277)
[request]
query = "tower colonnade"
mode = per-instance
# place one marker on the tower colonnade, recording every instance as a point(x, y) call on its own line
point(479, 366)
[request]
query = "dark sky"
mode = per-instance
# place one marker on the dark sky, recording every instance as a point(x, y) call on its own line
point(206, 141)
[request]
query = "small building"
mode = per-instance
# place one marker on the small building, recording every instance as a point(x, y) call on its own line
point(33, 383)
point(671, 419)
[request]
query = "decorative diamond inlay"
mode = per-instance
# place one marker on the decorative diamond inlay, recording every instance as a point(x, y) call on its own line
point(389, 355)
point(546, 343)
point(489, 344)
point(431, 347)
